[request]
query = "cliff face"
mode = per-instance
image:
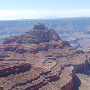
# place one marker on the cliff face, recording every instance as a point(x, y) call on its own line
point(49, 63)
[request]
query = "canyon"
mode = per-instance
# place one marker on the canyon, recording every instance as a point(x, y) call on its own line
point(40, 60)
point(74, 30)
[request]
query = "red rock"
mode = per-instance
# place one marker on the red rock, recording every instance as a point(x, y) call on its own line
point(11, 39)
point(39, 26)
point(11, 47)
point(20, 49)
point(14, 69)
point(69, 86)
point(47, 61)
point(38, 35)
point(78, 51)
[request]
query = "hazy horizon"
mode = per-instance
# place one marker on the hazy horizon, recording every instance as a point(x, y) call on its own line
point(36, 9)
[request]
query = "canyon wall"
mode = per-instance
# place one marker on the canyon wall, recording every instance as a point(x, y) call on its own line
point(39, 59)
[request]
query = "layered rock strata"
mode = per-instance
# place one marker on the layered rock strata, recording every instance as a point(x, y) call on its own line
point(39, 79)
point(53, 61)
point(6, 70)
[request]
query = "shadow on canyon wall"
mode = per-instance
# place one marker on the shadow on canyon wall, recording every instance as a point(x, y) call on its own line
point(76, 83)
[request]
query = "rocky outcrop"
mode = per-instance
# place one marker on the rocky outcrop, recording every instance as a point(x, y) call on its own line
point(39, 47)
point(3, 55)
point(11, 47)
point(69, 86)
point(11, 39)
point(62, 83)
point(39, 78)
point(6, 70)
point(82, 68)
point(38, 35)
point(32, 49)
point(71, 72)
point(39, 26)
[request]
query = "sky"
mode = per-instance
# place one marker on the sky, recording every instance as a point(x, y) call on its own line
point(36, 9)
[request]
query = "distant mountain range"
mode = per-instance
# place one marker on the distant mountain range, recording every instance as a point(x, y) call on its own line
point(50, 17)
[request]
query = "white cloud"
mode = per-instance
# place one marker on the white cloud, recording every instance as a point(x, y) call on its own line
point(16, 12)
point(19, 14)
point(31, 14)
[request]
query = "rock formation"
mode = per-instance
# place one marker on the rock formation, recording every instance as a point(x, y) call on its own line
point(37, 35)
point(49, 63)
point(39, 26)
point(10, 39)
point(6, 70)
